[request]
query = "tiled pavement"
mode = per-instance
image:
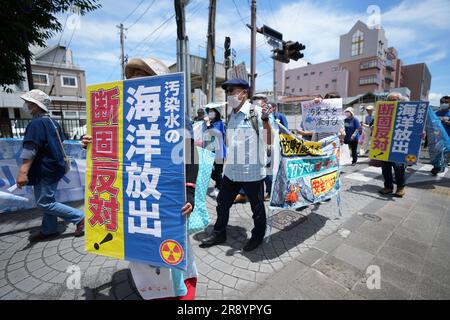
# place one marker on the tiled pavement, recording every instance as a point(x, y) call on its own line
point(39, 271)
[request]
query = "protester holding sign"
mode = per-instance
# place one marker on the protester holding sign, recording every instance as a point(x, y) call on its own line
point(388, 166)
point(366, 131)
point(177, 283)
point(44, 165)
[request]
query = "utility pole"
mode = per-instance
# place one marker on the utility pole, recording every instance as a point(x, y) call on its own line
point(211, 53)
point(122, 55)
point(253, 49)
point(183, 57)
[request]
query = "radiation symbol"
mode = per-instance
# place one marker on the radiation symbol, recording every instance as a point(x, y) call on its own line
point(410, 158)
point(171, 252)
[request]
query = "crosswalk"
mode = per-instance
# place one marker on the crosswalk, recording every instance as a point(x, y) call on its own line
point(417, 174)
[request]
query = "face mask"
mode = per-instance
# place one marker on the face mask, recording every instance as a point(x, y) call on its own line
point(211, 115)
point(233, 101)
point(444, 106)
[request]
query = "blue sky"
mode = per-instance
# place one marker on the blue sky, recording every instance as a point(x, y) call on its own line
point(418, 29)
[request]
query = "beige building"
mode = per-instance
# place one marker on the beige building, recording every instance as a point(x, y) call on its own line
point(54, 73)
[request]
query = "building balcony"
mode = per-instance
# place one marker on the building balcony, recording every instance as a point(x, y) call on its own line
point(369, 80)
point(388, 78)
point(373, 64)
point(389, 65)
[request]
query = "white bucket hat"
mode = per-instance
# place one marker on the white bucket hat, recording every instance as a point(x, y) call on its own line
point(350, 109)
point(40, 98)
point(151, 65)
point(369, 107)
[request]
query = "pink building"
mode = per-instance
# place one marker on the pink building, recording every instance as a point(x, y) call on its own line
point(366, 64)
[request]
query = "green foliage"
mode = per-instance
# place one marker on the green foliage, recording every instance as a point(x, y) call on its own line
point(30, 22)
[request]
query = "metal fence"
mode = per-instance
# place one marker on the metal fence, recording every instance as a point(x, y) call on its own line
point(73, 128)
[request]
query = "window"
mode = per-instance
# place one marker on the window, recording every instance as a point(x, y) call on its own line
point(300, 90)
point(293, 90)
point(317, 87)
point(56, 114)
point(357, 43)
point(298, 77)
point(313, 73)
point(368, 80)
point(305, 74)
point(326, 85)
point(69, 81)
point(287, 78)
point(40, 79)
point(320, 73)
point(334, 80)
point(368, 64)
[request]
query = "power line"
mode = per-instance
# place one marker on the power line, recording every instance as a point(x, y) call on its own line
point(140, 17)
point(195, 10)
point(152, 33)
point(139, 4)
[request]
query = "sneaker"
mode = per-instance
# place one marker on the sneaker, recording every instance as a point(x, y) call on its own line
point(214, 193)
point(400, 192)
point(353, 164)
point(386, 191)
point(42, 237)
point(79, 232)
point(240, 199)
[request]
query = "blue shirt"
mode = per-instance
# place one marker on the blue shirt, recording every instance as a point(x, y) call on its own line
point(217, 139)
point(351, 125)
point(282, 118)
point(368, 119)
point(246, 149)
point(444, 113)
point(48, 163)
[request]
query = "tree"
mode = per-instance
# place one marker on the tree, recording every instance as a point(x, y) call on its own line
point(30, 22)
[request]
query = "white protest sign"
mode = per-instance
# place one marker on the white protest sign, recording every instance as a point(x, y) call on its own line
point(239, 72)
point(325, 116)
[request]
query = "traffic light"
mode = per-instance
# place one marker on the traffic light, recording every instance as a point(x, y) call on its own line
point(281, 55)
point(293, 49)
point(227, 51)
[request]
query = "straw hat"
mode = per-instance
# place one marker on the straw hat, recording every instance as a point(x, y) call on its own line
point(151, 65)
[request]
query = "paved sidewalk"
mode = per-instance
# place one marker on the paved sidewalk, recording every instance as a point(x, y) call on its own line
point(289, 266)
point(408, 239)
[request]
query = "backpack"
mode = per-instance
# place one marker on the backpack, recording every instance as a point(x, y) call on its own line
point(254, 119)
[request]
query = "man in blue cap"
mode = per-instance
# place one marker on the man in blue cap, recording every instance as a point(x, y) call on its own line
point(245, 166)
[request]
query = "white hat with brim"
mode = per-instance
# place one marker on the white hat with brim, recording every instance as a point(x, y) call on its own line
point(152, 66)
point(369, 108)
point(38, 97)
point(349, 109)
point(215, 105)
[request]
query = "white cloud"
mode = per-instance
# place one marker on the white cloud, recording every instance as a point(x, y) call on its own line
point(417, 28)
point(434, 98)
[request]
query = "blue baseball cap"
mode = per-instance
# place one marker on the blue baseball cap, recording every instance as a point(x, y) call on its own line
point(236, 83)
